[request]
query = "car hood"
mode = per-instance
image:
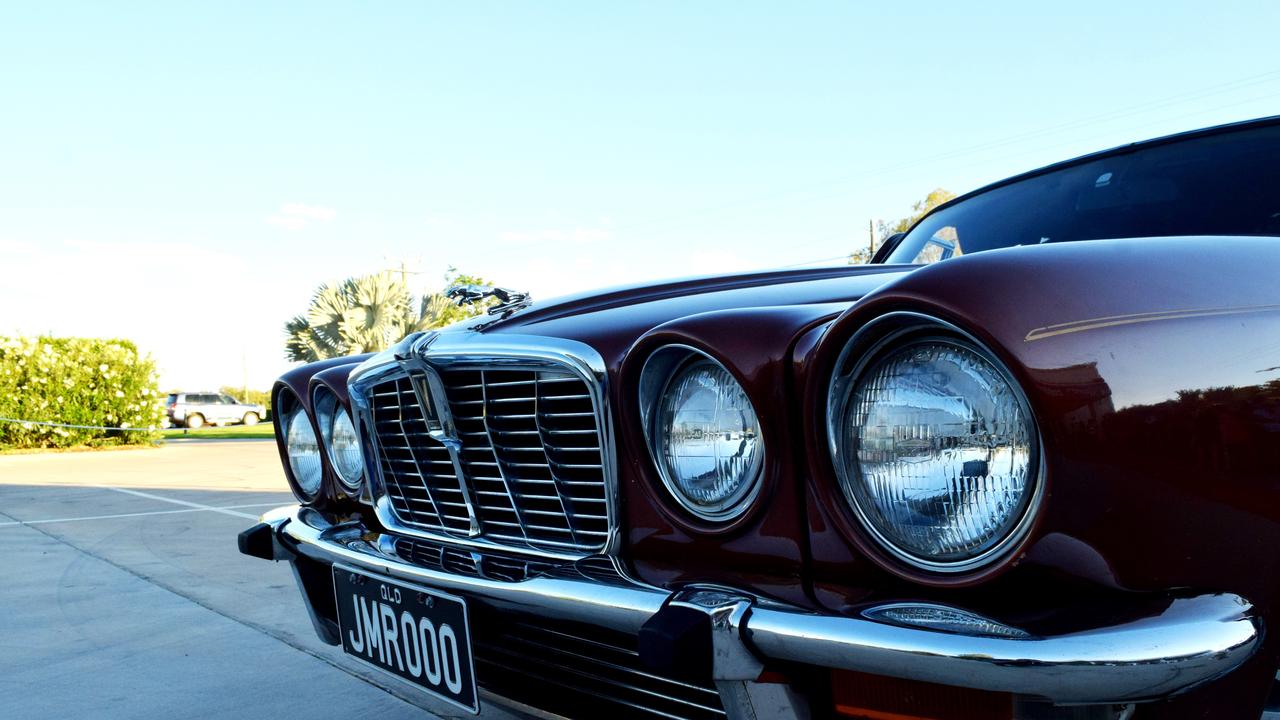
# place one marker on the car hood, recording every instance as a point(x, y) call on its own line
point(620, 315)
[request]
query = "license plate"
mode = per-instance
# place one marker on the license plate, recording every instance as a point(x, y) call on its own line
point(414, 633)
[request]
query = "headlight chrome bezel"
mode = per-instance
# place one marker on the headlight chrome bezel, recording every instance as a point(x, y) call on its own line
point(328, 411)
point(661, 368)
point(875, 340)
point(290, 408)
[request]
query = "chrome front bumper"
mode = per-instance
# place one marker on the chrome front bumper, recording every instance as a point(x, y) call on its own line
point(1190, 641)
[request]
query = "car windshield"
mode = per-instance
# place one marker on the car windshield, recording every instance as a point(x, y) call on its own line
point(1225, 183)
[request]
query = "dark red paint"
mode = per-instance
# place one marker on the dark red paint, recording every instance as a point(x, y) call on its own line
point(298, 383)
point(1159, 408)
point(1153, 369)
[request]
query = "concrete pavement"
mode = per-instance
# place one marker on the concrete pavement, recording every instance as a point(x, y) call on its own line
point(125, 596)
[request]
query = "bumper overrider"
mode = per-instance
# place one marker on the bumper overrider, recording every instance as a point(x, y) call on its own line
point(735, 637)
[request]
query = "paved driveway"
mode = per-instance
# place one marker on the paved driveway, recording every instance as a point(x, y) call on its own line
point(124, 595)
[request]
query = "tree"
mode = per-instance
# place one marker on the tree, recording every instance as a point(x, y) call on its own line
point(369, 314)
point(246, 395)
point(887, 229)
point(918, 210)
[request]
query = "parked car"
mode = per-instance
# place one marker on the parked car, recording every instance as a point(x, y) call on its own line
point(1026, 464)
point(195, 410)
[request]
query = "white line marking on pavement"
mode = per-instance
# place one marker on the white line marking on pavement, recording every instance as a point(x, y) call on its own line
point(175, 501)
point(136, 514)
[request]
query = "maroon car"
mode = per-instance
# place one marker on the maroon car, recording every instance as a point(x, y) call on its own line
point(1024, 465)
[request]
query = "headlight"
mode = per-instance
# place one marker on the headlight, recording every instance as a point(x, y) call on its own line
point(339, 437)
point(703, 433)
point(344, 450)
point(935, 446)
point(304, 453)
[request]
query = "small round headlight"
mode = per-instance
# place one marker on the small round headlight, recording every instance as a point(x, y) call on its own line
point(304, 453)
point(344, 450)
point(936, 449)
point(705, 436)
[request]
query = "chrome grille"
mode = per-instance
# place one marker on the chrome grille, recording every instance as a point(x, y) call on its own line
point(527, 467)
point(417, 469)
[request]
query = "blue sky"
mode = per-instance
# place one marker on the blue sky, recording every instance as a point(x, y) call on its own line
point(185, 175)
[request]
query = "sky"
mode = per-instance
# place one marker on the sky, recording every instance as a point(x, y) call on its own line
point(185, 175)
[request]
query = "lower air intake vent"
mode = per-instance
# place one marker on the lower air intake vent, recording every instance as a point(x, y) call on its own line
point(581, 672)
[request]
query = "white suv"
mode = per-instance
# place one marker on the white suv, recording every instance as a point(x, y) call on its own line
point(195, 410)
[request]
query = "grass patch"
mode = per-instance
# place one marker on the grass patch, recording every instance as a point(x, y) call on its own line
point(227, 432)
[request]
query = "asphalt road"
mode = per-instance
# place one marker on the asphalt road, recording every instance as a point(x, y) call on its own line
point(124, 596)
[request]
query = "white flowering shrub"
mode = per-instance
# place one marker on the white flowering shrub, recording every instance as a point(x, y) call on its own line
point(76, 381)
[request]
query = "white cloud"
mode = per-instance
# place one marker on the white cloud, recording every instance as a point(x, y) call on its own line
point(296, 216)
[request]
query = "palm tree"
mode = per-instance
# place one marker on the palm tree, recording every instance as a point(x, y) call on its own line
point(369, 314)
point(434, 310)
point(361, 314)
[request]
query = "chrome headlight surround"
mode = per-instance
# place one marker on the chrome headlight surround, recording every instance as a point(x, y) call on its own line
point(338, 435)
point(658, 378)
point(300, 447)
point(877, 341)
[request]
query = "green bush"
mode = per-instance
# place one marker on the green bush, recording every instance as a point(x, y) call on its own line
point(251, 397)
point(77, 381)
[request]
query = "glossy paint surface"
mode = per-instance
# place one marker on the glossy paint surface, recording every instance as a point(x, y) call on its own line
point(1151, 365)
point(748, 324)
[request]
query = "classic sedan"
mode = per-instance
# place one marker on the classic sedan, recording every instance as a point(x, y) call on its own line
point(1025, 464)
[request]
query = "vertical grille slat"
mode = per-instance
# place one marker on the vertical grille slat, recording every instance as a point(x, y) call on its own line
point(566, 510)
point(491, 451)
point(396, 408)
point(529, 457)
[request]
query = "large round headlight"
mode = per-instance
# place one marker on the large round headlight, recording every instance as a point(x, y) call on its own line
point(344, 450)
point(338, 435)
point(703, 433)
point(304, 453)
point(935, 448)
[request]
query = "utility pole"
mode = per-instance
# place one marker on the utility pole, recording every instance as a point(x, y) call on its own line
point(403, 269)
point(871, 239)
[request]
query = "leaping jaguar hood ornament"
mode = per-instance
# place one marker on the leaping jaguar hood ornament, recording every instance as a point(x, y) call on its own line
point(508, 300)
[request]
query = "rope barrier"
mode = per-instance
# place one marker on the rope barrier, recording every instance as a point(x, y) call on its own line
point(76, 427)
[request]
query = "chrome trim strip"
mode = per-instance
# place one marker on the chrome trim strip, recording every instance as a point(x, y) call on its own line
point(624, 606)
point(429, 352)
point(1192, 640)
